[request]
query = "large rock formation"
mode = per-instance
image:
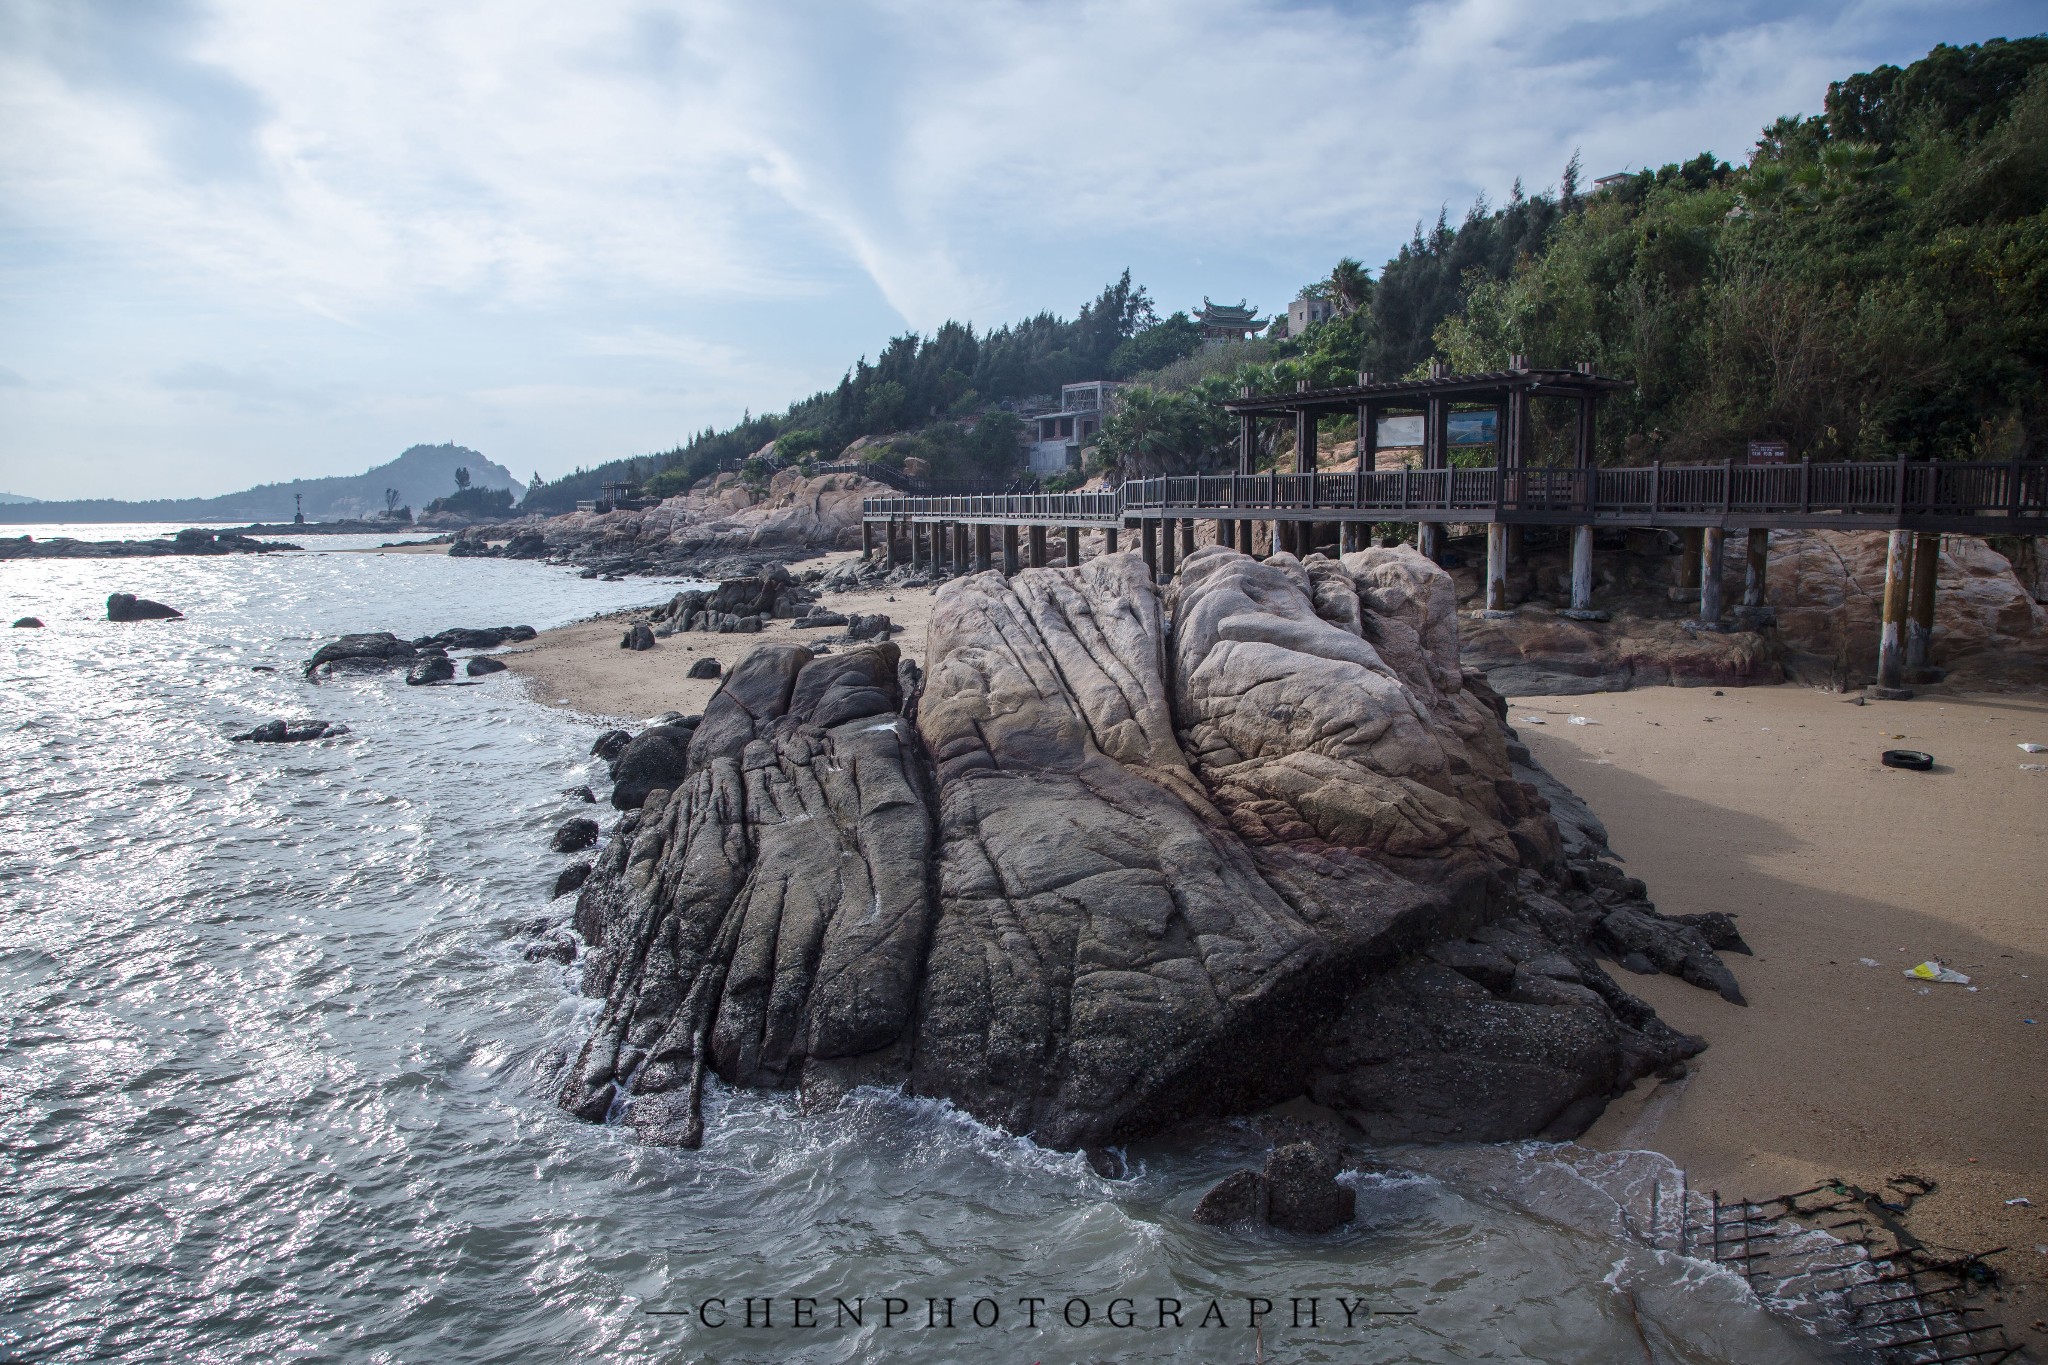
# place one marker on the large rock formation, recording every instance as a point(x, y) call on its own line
point(1121, 859)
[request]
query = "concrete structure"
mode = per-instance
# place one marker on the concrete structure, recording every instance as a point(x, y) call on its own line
point(1304, 313)
point(1057, 438)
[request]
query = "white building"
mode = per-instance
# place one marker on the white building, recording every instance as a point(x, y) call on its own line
point(1302, 312)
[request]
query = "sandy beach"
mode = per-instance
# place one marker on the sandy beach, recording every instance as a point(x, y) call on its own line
point(1768, 803)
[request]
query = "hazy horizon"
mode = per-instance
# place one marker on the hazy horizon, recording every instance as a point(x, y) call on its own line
point(247, 243)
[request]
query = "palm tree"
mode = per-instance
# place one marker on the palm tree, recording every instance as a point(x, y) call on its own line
point(1350, 286)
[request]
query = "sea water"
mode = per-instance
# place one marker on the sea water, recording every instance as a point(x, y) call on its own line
point(276, 1076)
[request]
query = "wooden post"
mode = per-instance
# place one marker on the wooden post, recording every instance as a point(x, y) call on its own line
point(1247, 441)
point(1710, 576)
point(1496, 566)
point(1244, 536)
point(1109, 540)
point(982, 557)
point(1891, 650)
point(1690, 548)
point(1582, 568)
point(1010, 556)
point(1368, 438)
point(1148, 534)
point(1039, 557)
point(1187, 536)
point(1435, 430)
point(1073, 535)
point(1304, 441)
point(1759, 563)
point(1166, 549)
point(959, 547)
point(1429, 538)
point(867, 540)
point(1920, 609)
point(1226, 533)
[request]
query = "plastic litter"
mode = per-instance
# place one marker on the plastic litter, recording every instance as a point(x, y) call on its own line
point(1867, 961)
point(2035, 748)
point(2020, 1203)
point(1530, 720)
point(2034, 767)
point(1931, 970)
point(1581, 720)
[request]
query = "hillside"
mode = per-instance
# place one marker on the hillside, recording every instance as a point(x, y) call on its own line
point(420, 475)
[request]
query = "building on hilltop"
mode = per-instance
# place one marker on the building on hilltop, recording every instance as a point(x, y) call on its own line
point(1306, 311)
point(1057, 437)
point(1226, 322)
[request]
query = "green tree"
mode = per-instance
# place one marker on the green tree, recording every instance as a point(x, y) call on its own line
point(461, 477)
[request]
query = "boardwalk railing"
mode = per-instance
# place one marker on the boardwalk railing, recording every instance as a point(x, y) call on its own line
point(1859, 493)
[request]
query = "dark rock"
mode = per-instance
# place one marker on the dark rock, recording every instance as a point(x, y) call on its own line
point(705, 668)
point(485, 637)
point(28, 623)
point(583, 794)
point(609, 745)
point(572, 879)
point(1302, 1193)
point(1238, 1198)
point(527, 544)
point(483, 665)
point(358, 653)
point(1718, 929)
point(640, 636)
point(868, 627)
point(819, 619)
point(553, 948)
point(574, 835)
point(430, 668)
point(126, 606)
point(288, 732)
point(656, 759)
point(261, 668)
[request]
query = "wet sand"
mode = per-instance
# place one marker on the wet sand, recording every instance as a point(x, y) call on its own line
point(1770, 803)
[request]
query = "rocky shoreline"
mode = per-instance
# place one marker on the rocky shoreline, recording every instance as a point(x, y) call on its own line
point(191, 541)
point(1125, 857)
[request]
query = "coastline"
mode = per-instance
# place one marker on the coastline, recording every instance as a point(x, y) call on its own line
point(1775, 810)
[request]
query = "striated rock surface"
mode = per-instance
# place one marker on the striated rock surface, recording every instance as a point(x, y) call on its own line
point(1118, 859)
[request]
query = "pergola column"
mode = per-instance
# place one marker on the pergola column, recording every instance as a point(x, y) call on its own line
point(1582, 568)
point(1010, 557)
point(1920, 607)
point(982, 557)
point(1247, 439)
point(1368, 433)
point(1496, 567)
point(1891, 643)
point(1755, 568)
point(1710, 576)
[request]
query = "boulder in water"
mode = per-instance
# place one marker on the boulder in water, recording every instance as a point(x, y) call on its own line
point(126, 606)
point(431, 667)
point(656, 759)
point(289, 732)
point(609, 745)
point(28, 623)
point(583, 794)
point(367, 652)
point(483, 665)
point(574, 835)
point(572, 879)
point(475, 637)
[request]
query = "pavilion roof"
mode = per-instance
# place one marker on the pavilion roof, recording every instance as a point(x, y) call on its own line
point(1229, 315)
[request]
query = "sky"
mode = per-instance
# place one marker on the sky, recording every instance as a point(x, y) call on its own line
point(249, 240)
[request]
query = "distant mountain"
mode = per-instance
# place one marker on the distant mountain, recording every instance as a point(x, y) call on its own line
point(420, 475)
point(10, 499)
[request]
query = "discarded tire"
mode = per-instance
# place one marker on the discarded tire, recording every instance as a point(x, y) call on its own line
point(1907, 758)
